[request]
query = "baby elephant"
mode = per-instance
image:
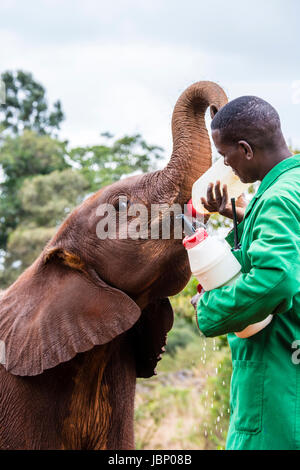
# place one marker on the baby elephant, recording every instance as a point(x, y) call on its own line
point(91, 315)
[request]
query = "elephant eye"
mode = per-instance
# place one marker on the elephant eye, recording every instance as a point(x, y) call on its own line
point(122, 203)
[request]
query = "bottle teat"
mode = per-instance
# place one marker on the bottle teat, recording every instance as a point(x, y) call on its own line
point(188, 228)
point(199, 236)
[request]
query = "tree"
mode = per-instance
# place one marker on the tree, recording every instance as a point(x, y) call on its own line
point(45, 201)
point(107, 163)
point(48, 199)
point(26, 106)
point(23, 157)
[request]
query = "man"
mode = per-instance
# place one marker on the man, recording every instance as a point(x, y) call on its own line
point(265, 385)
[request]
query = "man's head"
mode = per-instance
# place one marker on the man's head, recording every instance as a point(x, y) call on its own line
point(245, 131)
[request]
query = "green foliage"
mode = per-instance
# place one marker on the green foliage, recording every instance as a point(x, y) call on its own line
point(48, 199)
point(182, 333)
point(45, 201)
point(181, 302)
point(22, 157)
point(186, 405)
point(105, 164)
point(189, 357)
point(31, 154)
point(26, 106)
point(153, 415)
point(217, 398)
point(25, 245)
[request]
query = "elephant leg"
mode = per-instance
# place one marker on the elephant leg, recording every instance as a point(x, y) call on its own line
point(120, 380)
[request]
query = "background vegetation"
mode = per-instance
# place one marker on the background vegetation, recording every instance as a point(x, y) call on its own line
point(186, 405)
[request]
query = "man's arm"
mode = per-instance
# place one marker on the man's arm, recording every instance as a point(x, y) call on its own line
point(273, 280)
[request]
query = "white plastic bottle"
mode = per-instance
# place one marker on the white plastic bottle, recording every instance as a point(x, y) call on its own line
point(214, 265)
point(218, 171)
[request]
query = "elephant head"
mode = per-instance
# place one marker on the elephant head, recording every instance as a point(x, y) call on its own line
point(83, 291)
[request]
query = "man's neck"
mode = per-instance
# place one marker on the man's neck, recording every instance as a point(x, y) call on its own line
point(272, 159)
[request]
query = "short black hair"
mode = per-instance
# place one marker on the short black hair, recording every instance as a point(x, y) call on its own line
point(248, 118)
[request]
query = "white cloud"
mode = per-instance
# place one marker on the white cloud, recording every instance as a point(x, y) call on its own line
point(121, 66)
point(121, 88)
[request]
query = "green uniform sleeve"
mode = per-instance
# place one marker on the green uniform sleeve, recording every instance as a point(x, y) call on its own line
point(273, 280)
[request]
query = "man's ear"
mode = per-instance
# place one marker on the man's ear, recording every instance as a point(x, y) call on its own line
point(55, 310)
point(246, 149)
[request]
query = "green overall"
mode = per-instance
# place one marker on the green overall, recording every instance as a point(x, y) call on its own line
point(265, 383)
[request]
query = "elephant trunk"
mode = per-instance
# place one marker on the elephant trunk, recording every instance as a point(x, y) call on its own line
point(191, 155)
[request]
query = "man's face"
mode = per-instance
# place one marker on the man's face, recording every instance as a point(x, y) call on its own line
point(234, 156)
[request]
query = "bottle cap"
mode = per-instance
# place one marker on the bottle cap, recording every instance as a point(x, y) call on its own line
point(199, 236)
point(199, 288)
point(191, 209)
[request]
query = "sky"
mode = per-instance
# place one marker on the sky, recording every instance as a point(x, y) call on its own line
point(119, 66)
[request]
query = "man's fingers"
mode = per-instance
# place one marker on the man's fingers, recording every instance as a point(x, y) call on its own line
point(204, 203)
point(206, 217)
point(209, 195)
point(194, 300)
point(225, 195)
point(241, 200)
point(223, 206)
point(218, 193)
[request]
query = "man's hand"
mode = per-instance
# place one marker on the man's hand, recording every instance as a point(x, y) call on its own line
point(194, 300)
point(219, 202)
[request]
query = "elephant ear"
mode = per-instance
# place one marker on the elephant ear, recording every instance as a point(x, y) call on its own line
point(56, 310)
point(150, 336)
